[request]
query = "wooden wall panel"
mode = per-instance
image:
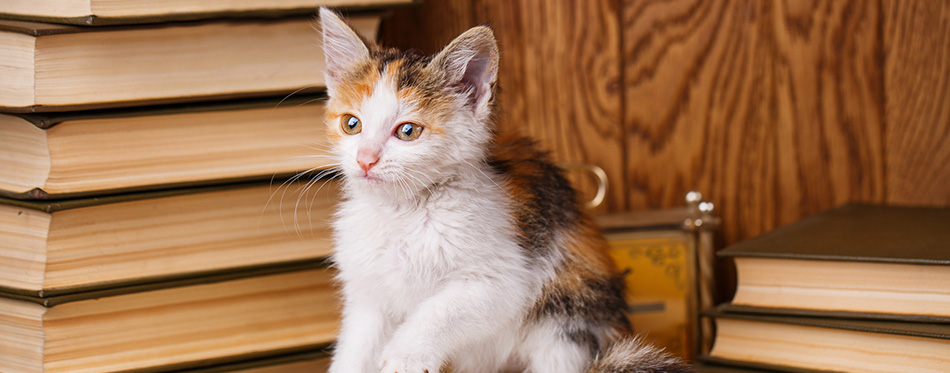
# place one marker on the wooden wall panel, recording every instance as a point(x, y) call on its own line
point(560, 71)
point(917, 89)
point(774, 110)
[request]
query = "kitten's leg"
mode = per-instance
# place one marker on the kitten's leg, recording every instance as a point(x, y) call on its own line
point(549, 348)
point(461, 313)
point(360, 339)
point(494, 355)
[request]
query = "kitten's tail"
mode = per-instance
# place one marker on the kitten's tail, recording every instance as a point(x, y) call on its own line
point(632, 355)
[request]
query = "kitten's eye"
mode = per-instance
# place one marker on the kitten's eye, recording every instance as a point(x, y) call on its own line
point(408, 131)
point(351, 125)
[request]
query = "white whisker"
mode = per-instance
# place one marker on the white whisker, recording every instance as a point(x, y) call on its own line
point(479, 169)
point(311, 101)
point(285, 186)
point(291, 94)
point(418, 180)
point(325, 181)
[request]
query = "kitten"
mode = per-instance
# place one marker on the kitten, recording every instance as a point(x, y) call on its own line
point(456, 246)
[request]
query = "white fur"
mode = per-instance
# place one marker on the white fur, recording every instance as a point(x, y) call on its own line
point(434, 287)
point(427, 249)
point(418, 287)
point(430, 263)
point(546, 350)
point(441, 281)
point(633, 355)
point(342, 46)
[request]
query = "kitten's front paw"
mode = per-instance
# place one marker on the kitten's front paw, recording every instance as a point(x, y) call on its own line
point(409, 363)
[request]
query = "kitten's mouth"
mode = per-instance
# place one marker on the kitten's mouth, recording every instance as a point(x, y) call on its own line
point(370, 178)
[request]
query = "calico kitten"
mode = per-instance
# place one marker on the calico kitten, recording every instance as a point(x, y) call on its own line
point(455, 246)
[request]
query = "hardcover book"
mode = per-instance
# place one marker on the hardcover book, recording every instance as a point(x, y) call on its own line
point(108, 12)
point(856, 258)
point(829, 344)
point(61, 155)
point(211, 321)
point(51, 248)
point(48, 67)
point(309, 361)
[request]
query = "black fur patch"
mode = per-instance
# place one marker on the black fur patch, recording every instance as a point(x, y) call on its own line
point(582, 336)
point(409, 74)
point(584, 314)
point(599, 301)
point(550, 206)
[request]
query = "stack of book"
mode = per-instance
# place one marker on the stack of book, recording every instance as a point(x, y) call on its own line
point(859, 288)
point(150, 219)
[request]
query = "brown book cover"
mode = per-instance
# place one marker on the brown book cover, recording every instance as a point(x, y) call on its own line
point(57, 67)
point(55, 297)
point(832, 315)
point(862, 233)
point(85, 153)
point(711, 364)
point(310, 360)
point(924, 330)
point(50, 119)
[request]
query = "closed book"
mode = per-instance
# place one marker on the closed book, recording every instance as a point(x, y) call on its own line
point(804, 312)
point(208, 322)
point(59, 155)
point(47, 67)
point(830, 344)
point(53, 248)
point(855, 258)
point(308, 361)
point(110, 12)
point(311, 366)
point(708, 364)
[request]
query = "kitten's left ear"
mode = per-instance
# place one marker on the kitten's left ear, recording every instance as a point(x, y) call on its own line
point(470, 62)
point(342, 46)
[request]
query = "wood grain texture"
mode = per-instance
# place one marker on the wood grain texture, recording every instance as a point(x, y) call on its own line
point(773, 109)
point(917, 89)
point(560, 72)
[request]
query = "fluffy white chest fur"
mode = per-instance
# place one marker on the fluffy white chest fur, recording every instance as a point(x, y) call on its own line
point(439, 277)
point(401, 254)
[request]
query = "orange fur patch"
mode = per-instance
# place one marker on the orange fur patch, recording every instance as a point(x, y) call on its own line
point(429, 112)
point(348, 97)
point(586, 284)
point(588, 249)
point(429, 116)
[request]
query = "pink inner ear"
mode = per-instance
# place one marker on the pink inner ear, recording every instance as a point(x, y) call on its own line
point(342, 46)
point(476, 77)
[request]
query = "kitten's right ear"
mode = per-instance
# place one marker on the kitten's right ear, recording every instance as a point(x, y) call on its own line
point(342, 46)
point(470, 62)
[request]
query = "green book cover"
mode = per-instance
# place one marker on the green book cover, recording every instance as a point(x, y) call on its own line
point(859, 233)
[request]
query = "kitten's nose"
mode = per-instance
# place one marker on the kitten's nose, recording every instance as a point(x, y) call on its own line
point(367, 159)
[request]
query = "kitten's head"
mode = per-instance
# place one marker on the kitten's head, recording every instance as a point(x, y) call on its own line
point(402, 122)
